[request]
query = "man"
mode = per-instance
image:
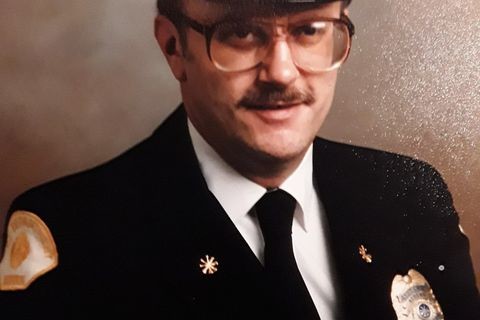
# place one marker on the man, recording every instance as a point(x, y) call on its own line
point(233, 209)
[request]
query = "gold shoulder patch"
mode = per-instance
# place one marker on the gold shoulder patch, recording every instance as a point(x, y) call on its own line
point(29, 253)
point(413, 298)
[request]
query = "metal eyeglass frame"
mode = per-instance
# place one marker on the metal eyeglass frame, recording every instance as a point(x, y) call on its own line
point(208, 30)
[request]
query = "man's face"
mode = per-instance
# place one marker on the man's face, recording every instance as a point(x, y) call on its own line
point(270, 112)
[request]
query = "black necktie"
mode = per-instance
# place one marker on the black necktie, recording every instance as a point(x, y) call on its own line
point(275, 214)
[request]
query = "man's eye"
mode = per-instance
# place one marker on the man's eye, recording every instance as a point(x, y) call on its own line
point(307, 30)
point(228, 31)
point(240, 35)
point(311, 33)
point(243, 33)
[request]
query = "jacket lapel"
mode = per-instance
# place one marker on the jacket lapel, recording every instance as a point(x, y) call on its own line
point(199, 227)
point(356, 217)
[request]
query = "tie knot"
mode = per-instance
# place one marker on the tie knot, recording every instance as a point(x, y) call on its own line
point(275, 214)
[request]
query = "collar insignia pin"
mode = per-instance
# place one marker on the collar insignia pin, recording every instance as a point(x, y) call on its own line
point(208, 265)
point(365, 256)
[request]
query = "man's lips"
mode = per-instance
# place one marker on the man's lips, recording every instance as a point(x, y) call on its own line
point(275, 113)
point(273, 105)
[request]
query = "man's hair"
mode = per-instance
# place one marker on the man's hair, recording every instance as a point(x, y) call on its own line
point(170, 9)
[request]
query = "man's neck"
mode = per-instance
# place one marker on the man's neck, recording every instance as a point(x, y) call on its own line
point(265, 170)
point(269, 173)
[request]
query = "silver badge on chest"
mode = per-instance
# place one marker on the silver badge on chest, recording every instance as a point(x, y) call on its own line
point(413, 298)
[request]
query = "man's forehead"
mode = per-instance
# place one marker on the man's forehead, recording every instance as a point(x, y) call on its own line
point(214, 8)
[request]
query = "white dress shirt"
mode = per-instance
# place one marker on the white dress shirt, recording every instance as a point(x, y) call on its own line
point(238, 195)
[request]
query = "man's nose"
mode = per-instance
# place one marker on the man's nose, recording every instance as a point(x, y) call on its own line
point(278, 66)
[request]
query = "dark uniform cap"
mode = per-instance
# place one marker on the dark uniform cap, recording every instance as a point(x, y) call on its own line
point(279, 1)
point(171, 8)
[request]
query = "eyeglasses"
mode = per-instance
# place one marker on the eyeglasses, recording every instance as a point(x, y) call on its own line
point(318, 45)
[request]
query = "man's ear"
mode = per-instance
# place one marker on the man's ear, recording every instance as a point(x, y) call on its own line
point(168, 39)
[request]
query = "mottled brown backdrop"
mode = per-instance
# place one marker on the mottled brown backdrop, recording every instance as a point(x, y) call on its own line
point(83, 80)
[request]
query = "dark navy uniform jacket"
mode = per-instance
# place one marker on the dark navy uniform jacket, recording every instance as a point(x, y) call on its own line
point(130, 234)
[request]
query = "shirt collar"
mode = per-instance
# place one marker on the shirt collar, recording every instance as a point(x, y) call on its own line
point(300, 186)
point(237, 194)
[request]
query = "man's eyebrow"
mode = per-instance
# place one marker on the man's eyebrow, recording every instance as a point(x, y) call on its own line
point(235, 17)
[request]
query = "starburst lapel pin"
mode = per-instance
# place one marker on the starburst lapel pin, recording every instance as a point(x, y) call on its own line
point(364, 254)
point(208, 265)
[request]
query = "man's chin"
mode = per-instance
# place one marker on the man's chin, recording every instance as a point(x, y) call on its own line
point(282, 152)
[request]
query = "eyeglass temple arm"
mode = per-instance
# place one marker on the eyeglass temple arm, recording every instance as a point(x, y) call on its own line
point(349, 23)
point(195, 25)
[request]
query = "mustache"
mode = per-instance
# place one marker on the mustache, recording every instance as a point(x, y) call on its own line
point(266, 95)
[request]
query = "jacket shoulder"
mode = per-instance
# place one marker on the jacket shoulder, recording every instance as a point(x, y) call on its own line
point(388, 173)
point(124, 175)
point(373, 158)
